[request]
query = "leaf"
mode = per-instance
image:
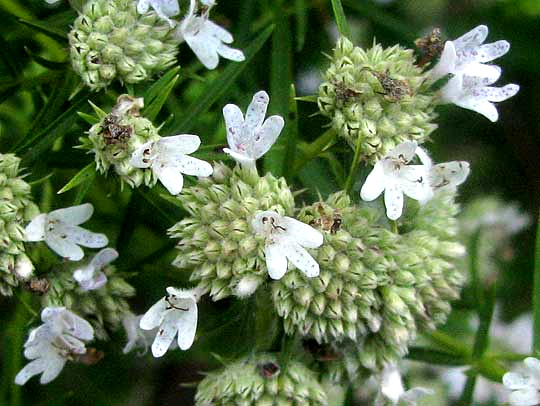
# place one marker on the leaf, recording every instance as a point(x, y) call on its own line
point(536, 294)
point(157, 94)
point(300, 10)
point(45, 28)
point(292, 135)
point(89, 171)
point(310, 99)
point(438, 357)
point(100, 113)
point(7, 58)
point(219, 86)
point(341, 20)
point(53, 65)
point(90, 119)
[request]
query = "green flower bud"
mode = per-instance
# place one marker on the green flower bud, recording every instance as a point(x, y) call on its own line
point(110, 39)
point(376, 97)
point(217, 243)
point(261, 380)
point(16, 209)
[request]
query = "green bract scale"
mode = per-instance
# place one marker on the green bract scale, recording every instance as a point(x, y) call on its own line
point(16, 209)
point(376, 288)
point(104, 308)
point(111, 40)
point(116, 136)
point(376, 97)
point(261, 381)
point(217, 242)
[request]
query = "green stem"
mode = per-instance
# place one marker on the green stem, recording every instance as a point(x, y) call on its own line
point(354, 167)
point(468, 391)
point(448, 342)
point(395, 228)
point(478, 291)
point(341, 19)
point(536, 295)
point(315, 148)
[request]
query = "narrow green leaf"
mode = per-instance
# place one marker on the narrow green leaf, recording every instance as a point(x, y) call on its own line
point(292, 135)
point(53, 65)
point(341, 19)
point(310, 99)
point(47, 29)
point(300, 10)
point(7, 58)
point(100, 113)
point(438, 357)
point(536, 295)
point(84, 188)
point(220, 85)
point(90, 119)
point(89, 171)
point(157, 87)
point(152, 109)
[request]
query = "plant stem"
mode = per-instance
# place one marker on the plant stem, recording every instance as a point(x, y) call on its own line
point(354, 167)
point(536, 295)
point(315, 148)
point(341, 19)
point(473, 269)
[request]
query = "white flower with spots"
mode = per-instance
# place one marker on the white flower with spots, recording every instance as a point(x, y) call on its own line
point(61, 336)
point(90, 276)
point(163, 8)
point(176, 313)
point(251, 137)
point(393, 391)
point(469, 86)
point(168, 160)
point(525, 384)
point(61, 232)
point(205, 38)
point(287, 240)
point(446, 174)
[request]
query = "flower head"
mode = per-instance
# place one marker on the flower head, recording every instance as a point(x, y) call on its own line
point(525, 386)
point(61, 232)
point(393, 391)
point(174, 313)
point(287, 239)
point(464, 58)
point(90, 276)
point(252, 137)
point(49, 346)
point(206, 38)
point(168, 160)
point(163, 8)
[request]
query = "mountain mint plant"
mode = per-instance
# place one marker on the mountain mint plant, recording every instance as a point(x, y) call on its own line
point(250, 230)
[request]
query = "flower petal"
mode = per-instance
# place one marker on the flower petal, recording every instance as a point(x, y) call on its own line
point(276, 261)
point(218, 32)
point(97, 281)
point(192, 166)
point(300, 258)
point(233, 123)
point(496, 94)
point(525, 397)
point(513, 380)
point(153, 317)
point(74, 215)
point(179, 144)
point(170, 177)
point(80, 236)
point(142, 156)
point(447, 62)
point(33, 368)
point(267, 135)
point(489, 52)
point(473, 38)
point(241, 159)
point(232, 54)
point(391, 384)
point(374, 184)
point(302, 233)
point(414, 182)
point(479, 74)
point(53, 369)
point(35, 230)
point(404, 151)
point(63, 247)
point(480, 105)
point(534, 366)
point(393, 200)
point(256, 110)
point(143, 6)
point(187, 326)
point(164, 336)
point(103, 258)
point(202, 43)
point(449, 174)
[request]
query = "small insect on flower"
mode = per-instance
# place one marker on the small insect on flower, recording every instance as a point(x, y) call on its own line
point(114, 133)
point(268, 369)
point(345, 94)
point(393, 89)
point(329, 223)
point(91, 357)
point(287, 239)
point(38, 285)
point(429, 46)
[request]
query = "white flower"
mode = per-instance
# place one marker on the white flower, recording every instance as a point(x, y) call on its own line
point(287, 239)
point(163, 8)
point(206, 38)
point(395, 177)
point(391, 388)
point(49, 346)
point(174, 313)
point(525, 386)
point(60, 231)
point(252, 137)
point(469, 87)
point(168, 160)
point(90, 276)
point(392, 175)
point(136, 337)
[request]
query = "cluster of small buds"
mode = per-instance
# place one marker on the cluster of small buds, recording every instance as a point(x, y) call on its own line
point(16, 208)
point(133, 147)
point(376, 98)
point(95, 290)
point(261, 380)
point(111, 40)
point(60, 338)
point(217, 242)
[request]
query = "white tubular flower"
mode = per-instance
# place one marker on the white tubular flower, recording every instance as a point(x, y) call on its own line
point(163, 8)
point(49, 346)
point(392, 175)
point(90, 276)
point(168, 160)
point(469, 87)
point(172, 314)
point(207, 39)
point(524, 386)
point(287, 239)
point(392, 390)
point(252, 137)
point(444, 175)
point(61, 232)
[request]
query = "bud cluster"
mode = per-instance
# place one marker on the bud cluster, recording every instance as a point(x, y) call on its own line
point(376, 97)
point(16, 208)
point(217, 242)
